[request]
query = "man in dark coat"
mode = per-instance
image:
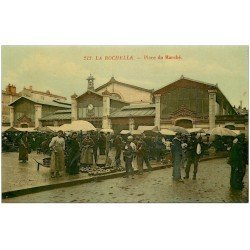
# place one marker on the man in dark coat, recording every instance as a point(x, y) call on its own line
point(73, 155)
point(176, 150)
point(193, 155)
point(94, 137)
point(159, 146)
point(238, 160)
point(146, 151)
point(118, 150)
point(128, 155)
point(24, 148)
point(102, 143)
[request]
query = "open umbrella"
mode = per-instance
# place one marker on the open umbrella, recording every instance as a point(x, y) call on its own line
point(54, 128)
point(221, 131)
point(125, 132)
point(137, 132)
point(167, 132)
point(196, 130)
point(147, 128)
point(78, 126)
point(178, 129)
point(44, 129)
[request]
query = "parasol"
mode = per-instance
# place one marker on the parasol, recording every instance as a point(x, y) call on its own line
point(221, 131)
point(77, 126)
point(125, 132)
point(167, 132)
point(178, 129)
point(196, 130)
point(137, 132)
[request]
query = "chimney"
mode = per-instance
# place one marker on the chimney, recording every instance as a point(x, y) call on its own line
point(240, 104)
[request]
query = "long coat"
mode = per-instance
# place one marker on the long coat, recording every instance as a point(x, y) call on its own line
point(23, 149)
point(57, 156)
point(177, 158)
point(73, 157)
point(238, 161)
point(87, 152)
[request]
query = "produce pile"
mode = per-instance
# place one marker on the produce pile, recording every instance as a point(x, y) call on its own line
point(97, 170)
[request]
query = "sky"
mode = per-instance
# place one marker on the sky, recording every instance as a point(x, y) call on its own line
point(63, 69)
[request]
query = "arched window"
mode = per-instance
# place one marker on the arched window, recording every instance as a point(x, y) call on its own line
point(185, 123)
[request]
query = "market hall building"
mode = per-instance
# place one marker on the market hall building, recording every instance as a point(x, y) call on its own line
point(27, 112)
point(112, 105)
point(185, 102)
point(190, 103)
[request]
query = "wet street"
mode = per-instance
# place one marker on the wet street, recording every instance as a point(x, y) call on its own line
point(212, 185)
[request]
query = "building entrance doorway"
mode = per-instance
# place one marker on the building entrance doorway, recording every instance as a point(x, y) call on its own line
point(24, 125)
point(185, 123)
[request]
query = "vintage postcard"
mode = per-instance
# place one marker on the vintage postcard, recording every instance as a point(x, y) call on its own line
point(127, 124)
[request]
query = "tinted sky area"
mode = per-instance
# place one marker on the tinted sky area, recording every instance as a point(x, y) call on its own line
point(63, 69)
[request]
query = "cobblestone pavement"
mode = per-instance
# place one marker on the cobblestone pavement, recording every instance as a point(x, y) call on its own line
point(17, 175)
point(212, 185)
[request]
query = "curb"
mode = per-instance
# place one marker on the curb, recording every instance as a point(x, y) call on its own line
point(31, 190)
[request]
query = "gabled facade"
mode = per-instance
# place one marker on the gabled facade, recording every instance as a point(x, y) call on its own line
point(95, 108)
point(190, 103)
point(27, 112)
point(122, 91)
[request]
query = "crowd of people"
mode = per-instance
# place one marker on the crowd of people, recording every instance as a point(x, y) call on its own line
point(78, 150)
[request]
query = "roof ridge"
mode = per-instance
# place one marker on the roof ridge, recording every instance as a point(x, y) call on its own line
point(43, 102)
point(189, 79)
point(94, 92)
point(113, 80)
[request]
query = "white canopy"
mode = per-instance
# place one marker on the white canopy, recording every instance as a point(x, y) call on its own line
point(137, 132)
point(146, 128)
point(54, 128)
point(221, 131)
point(77, 126)
point(125, 132)
point(196, 130)
point(26, 129)
point(237, 132)
point(167, 132)
point(44, 129)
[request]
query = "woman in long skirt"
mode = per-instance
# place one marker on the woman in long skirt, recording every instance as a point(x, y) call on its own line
point(87, 152)
point(57, 146)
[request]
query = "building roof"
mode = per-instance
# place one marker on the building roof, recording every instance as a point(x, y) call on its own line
point(195, 83)
point(47, 93)
point(95, 93)
point(171, 85)
point(135, 110)
point(4, 92)
point(241, 111)
point(139, 106)
point(57, 116)
point(43, 102)
point(63, 111)
point(113, 80)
